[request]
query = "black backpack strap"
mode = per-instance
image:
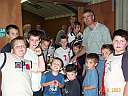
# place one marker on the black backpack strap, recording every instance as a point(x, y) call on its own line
point(5, 57)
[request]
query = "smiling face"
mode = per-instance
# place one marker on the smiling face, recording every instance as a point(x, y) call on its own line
point(63, 43)
point(119, 44)
point(33, 42)
point(105, 53)
point(56, 65)
point(19, 48)
point(88, 18)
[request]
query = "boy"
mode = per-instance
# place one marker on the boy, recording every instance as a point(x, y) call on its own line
point(16, 72)
point(72, 87)
point(106, 50)
point(115, 78)
point(90, 83)
point(53, 81)
point(63, 52)
point(75, 35)
point(31, 54)
point(80, 61)
point(12, 32)
point(44, 46)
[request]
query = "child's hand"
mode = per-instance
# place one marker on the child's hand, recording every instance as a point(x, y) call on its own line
point(38, 51)
point(56, 83)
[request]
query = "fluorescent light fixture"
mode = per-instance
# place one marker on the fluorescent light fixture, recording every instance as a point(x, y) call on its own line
point(22, 1)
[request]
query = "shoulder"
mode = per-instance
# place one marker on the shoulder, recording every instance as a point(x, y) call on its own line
point(6, 48)
point(102, 26)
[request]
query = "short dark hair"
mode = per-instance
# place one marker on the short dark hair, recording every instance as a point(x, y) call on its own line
point(89, 11)
point(77, 44)
point(16, 39)
point(122, 33)
point(108, 46)
point(45, 39)
point(71, 67)
point(57, 58)
point(76, 23)
point(64, 37)
point(34, 33)
point(11, 26)
point(93, 56)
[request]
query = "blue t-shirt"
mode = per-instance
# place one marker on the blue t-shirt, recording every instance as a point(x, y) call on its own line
point(91, 79)
point(52, 90)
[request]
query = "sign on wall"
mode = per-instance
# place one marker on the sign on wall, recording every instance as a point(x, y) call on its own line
point(2, 32)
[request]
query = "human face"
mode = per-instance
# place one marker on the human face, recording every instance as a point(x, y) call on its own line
point(71, 75)
point(76, 49)
point(63, 43)
point(88, 18)
point(91, 63)
point(33, 42)
point(19, 48)
point(13, 33)
point(45, 45)
point(56, 65)
point(105, 53)
point(76, 29)
point(119, 44)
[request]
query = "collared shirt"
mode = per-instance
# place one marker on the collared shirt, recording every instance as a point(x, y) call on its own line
point(94, 39)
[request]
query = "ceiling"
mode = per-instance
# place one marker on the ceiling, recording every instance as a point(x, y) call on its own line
point(51, 9)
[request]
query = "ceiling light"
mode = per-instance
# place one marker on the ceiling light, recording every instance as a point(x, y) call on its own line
point(22, 1)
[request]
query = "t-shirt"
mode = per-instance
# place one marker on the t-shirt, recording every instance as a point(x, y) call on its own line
point(36, 76)
point(94, 39)
point(64, 54)
point(52, 90)
point(114, 79)
point(72, 88)
point(16, 76)
point(91, 79)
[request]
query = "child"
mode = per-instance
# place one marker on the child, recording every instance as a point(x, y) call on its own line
point(53, 81)
point(16, 72)
point(115, 78)
point(75, 35)
point(63, 52)
point(44, 46)
point(90, 83)
point(31, 54)
point(72, 87)
point(80, 61)
point(12, 32)
point(106, 50)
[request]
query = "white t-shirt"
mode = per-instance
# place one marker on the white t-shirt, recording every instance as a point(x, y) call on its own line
point(36, 76)
point(16, 76)
point(64, 54)
point(114, 79)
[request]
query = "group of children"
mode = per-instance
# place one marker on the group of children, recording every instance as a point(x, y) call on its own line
point(24, 71)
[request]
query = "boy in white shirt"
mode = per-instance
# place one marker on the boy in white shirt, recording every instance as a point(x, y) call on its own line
point(16, 71)
point(64, 52)
point(34, 38)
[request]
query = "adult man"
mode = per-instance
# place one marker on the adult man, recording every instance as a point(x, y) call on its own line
point(94, 35)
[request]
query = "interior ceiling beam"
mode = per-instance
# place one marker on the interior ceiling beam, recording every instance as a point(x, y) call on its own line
point(66, 2)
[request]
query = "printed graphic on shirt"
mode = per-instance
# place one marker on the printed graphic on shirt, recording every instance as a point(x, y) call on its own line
point(22, 66)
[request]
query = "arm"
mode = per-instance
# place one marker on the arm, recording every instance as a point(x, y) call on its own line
point(41, 64)
point(79, 54)
point(88, 87)
point(126, 89)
